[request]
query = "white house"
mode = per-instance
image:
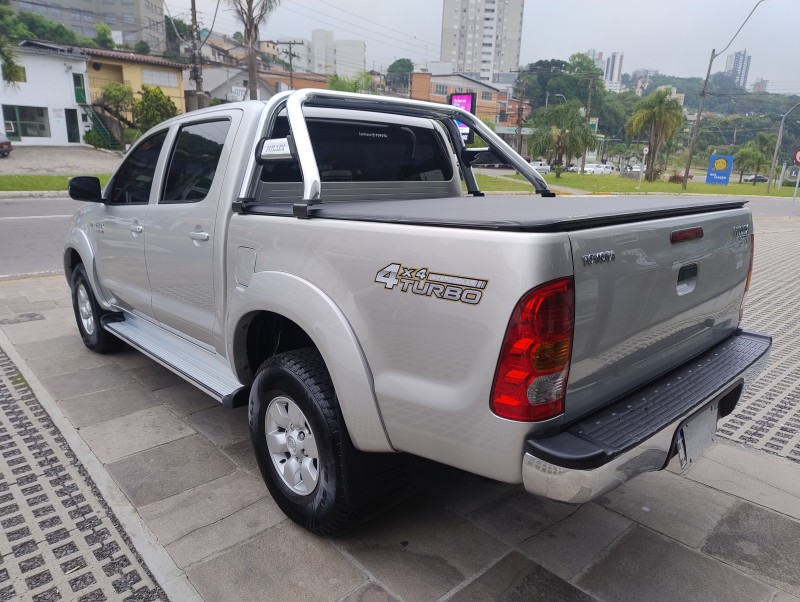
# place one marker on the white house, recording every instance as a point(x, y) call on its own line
point(46, 107)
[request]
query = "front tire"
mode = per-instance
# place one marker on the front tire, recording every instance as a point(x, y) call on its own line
point(299, 440)
point(88, 314)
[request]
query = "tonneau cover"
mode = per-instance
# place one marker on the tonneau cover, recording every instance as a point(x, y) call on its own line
point(512, 213)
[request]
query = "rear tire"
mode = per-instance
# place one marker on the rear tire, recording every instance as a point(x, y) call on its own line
point(88, 314)
point(299, 440)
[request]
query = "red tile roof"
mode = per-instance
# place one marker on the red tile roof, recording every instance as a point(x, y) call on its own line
point(132, 56)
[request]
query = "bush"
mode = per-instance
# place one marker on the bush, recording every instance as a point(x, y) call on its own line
point(677, 178)
point(96, 139)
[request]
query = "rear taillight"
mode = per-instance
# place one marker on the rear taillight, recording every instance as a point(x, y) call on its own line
point(531, 378)
point(749, 275)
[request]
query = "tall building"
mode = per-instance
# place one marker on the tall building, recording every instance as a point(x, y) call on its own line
point(130, 21)
point(351, 57)
point(323, 52)
point(738, 67)
point(482, 37)
point(613, 72)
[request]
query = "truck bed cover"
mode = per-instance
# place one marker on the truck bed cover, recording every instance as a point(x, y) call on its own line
point(511, 213)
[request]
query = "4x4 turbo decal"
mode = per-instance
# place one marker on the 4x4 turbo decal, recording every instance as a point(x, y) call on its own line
point(421, 281)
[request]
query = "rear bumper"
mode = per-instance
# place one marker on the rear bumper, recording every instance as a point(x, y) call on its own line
point(638, 433)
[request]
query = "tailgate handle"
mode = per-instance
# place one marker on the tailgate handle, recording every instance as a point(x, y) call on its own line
point(687, 279)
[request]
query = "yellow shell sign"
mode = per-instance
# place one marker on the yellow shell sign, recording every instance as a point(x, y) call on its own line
point(720, 164)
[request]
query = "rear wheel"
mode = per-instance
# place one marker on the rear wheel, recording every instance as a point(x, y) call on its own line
point(88, 314)
point(299, 440)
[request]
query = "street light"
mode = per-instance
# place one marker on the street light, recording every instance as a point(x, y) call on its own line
point(778, 146)
point(696, 126)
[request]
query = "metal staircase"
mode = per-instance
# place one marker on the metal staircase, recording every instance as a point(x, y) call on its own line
point(99, 126)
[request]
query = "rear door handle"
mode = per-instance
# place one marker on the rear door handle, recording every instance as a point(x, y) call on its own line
point(137, 229)
point(198, 235)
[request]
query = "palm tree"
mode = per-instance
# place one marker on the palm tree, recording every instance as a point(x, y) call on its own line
point(252, 13)
point(662, 116)
point(560, 130)
point(750, 157)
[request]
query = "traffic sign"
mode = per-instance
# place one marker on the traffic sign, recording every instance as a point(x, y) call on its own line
point(646, 150)
point(797, 156)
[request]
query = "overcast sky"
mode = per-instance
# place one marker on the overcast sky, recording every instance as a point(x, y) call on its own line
point(674, 36)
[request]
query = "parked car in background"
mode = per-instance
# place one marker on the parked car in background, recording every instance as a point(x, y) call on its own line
point(574, 168)
point(598, 168)
point(540, 166)
point(5, 146)
point(756, 178)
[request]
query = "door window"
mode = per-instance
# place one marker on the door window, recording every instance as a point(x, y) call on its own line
point(194, 161)
point(132, 183)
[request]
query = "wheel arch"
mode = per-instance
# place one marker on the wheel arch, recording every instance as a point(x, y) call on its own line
point(279, 312)
point(78, 249)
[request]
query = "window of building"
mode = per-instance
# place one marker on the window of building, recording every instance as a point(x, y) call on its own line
point(486, 95)
point(54, 10)
point(194, 161)
point(26, 121)
point(441, 89)
point(159, 77)
point(132, 183)
point(87, 16)
point(128, 19)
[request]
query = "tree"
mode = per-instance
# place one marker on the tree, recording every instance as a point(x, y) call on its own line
point(750, 158)
point(176, 31)
point(560, 130)
point(361, 82)
point(252, 13)
point(142, 47)
point(117, 98)
point(238, 37)
point(152, 108)
point(398, 75)
point(662, 116)
point(103, 37)
point(11, 70)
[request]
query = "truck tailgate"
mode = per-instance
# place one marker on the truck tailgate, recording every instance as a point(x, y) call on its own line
point(646, 302)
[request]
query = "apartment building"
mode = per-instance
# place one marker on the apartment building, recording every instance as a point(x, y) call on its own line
point(482, 38)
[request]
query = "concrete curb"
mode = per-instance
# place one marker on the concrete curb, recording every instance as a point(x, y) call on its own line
point(172, 580)
point(34, 194)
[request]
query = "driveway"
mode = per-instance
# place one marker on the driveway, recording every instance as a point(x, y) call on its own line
point(59, 160)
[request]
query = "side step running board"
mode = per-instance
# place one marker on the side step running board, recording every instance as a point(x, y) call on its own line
point(207, 371)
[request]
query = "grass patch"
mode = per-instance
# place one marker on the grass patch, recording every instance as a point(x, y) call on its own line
point(26, 183)
point(489, 183)
point(614, 184)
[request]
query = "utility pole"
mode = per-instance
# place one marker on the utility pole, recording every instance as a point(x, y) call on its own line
point(291, 56)
point(197, 63)
point(588, 117)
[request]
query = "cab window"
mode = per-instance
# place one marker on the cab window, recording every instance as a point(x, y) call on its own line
point(194, 161)
point(134, 179)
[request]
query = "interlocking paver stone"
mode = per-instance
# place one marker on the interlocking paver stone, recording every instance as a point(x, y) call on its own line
point(46, 545)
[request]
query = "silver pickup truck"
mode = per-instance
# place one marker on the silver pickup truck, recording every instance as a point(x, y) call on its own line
point(328, 259)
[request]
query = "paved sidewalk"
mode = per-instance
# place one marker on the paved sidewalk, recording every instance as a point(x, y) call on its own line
point(175, 470)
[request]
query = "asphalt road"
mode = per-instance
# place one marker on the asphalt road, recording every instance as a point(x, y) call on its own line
point(32, 231)
point(32, 235)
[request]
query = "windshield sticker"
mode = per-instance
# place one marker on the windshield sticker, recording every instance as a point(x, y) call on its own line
point(422, 281)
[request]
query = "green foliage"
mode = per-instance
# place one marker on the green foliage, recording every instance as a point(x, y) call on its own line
point(663, 117)
point(103, 37)
point(96, 139)
point(117, 96)
point(130, 135)
point(11, 70)
point(176, 29)
point(560, 132)
point(25, 25)
point(361, 82)
point(238, 37)
point(401, 66)
point(141, 47)
point(152, 108)
point(749, 158)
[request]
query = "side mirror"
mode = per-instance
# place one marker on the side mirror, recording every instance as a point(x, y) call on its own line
point(85, 188)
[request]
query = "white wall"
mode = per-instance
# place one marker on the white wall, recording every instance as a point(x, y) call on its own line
point(49, 85)
point(351, 57)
